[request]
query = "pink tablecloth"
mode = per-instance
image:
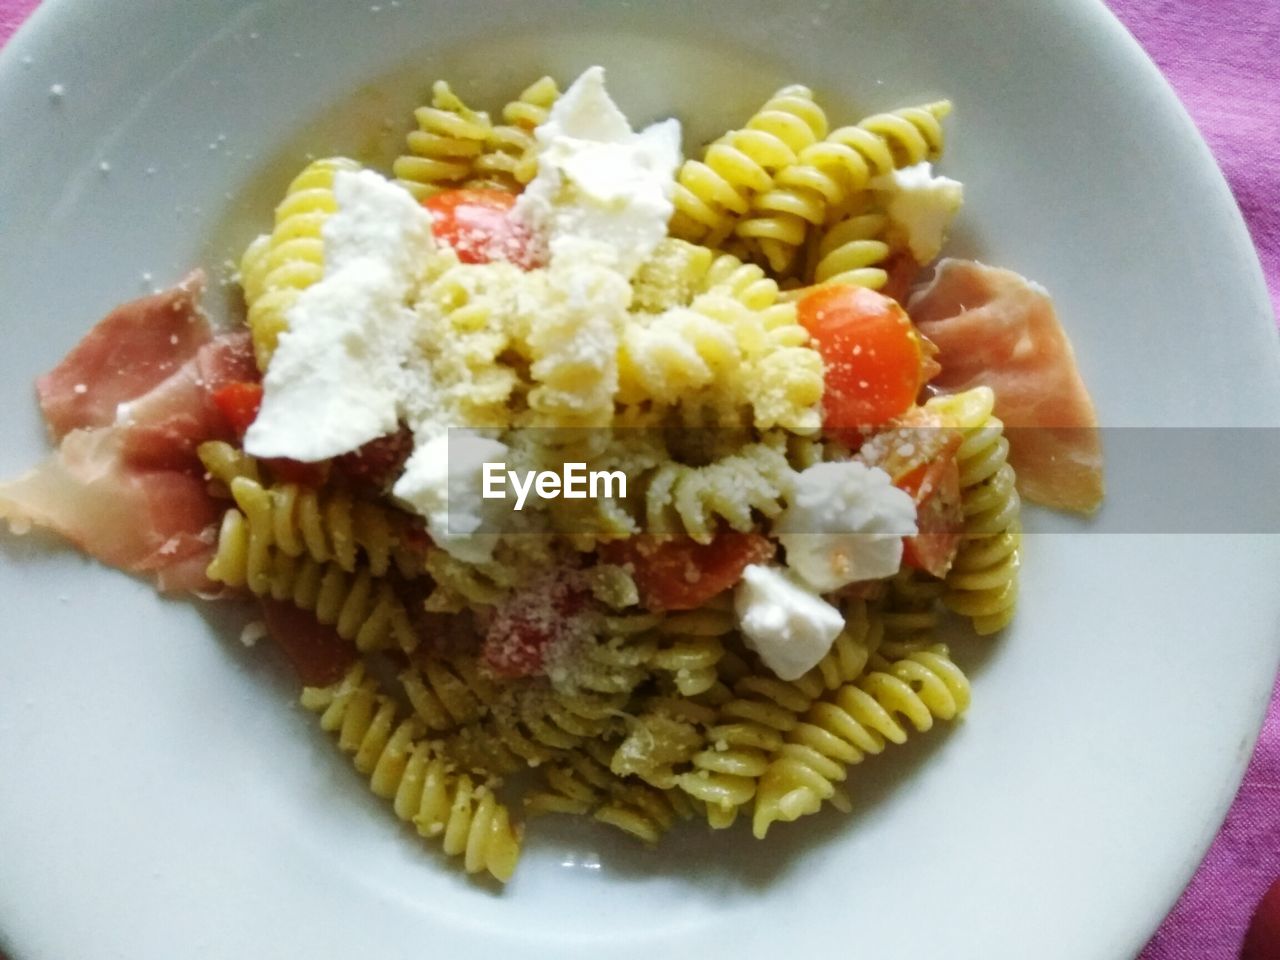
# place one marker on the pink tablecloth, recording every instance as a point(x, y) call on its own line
point(1221, 57)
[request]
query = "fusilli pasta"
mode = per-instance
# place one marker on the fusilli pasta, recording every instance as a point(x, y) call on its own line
point(420, 784)
point(280, 265)
point(713, 193)
point(859, 718)
point(509, 158)
point(444, 150)
point(362, 608)
point(983, 581)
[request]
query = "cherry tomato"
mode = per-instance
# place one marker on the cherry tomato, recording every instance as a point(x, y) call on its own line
point(478, 224)
point(919, 454)
point(681, 574)
point(317, 653)
point(935, 487)
point(527, 624)
point(871, 351)
point(239, 402)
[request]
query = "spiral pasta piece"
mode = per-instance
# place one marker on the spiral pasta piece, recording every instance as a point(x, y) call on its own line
point(853, 251)
point(912, 134)
point(858, 719)
point(404, 769)
point(734, 348)
point(279, 266)
point(713, 193)
point(571, 343)
point(447, 692)
point(661, 740)
point(323, 525)
point(533, 724)
point(671, 277)
point(583, 784)
point(689, 646)
point(465, 320)
point(685, 499)
point(861, 638)
point(745, 282)
point(509, 159)
point(362, 608)
point(910, 613)
point(224, 463)
point(983, 581)
point(616, 661)
point(829, 174)
point(748, 731)
point(794, 118)
point(460, 585)
point(443, 151)
point(664, 357)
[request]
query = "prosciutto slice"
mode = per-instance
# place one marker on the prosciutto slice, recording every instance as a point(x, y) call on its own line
point(133, 348)
point(129, 404)
point(163, 427)
point(994, 328)
point(157, 522)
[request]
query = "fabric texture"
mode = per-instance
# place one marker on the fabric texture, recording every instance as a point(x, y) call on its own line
point(1220, 56)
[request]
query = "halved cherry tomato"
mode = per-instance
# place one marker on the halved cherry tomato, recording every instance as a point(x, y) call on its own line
point(527, 624)
point(919, 454)
point(317, 653)
point(478, 224)
point(239, 402)
point(935, 487)
point(872, 354)
point(681, 574)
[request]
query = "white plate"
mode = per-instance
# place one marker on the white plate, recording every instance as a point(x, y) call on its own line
point(161, 797)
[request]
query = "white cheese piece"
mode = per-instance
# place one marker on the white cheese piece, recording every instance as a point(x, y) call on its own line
point(845, 523)
point(921, 206)
point(599, 181)
point(336, 378)
point(442, 481)
point(789, 626)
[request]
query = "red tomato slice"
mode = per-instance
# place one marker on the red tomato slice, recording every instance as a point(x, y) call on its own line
point(317, 653)
point(871, 351)
point(919, 454)
point(239, 402)
point(935, 487)
point(527, 624)
point(681, 574)
point(479, 226)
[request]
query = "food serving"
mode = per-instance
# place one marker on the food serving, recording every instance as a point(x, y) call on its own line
point(805, 420)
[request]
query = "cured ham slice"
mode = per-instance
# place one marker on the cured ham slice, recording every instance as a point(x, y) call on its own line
point(133, 348)
point(994, 328)
point(162, 428)
point(146, 521)
point(131, 402)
